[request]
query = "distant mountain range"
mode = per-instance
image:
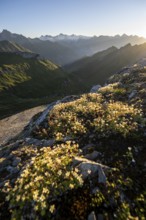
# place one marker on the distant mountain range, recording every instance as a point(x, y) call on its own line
point(64, 49)
point(63, 37)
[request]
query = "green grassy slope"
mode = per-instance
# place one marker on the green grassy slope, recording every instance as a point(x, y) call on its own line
point(7, 46)
point(25, 83)
point(96, 69)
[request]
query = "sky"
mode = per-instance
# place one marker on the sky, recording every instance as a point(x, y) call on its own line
point(33, 18)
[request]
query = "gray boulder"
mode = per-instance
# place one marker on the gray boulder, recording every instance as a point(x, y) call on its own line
point(93, 156)
point(92, 216)
point(89, 169)
point(95, 88)
point(132, 94)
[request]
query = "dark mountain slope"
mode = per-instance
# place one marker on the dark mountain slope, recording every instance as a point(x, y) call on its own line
point(99, 67)
point(25, 83)
point(89, 60)
point(90, 46)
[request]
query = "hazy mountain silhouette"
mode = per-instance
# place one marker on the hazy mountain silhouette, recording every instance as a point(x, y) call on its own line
point(67, 51)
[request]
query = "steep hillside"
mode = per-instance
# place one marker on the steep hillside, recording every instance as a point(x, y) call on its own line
point(28, 82)
point(7, 46)
point(96, 69)
point(87, 61)
point(82, 158)
point(67, 51)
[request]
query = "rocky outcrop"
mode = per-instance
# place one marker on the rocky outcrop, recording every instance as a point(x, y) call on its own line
point(89, 169)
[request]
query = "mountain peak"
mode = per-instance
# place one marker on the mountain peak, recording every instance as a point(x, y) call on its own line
point(5, 32)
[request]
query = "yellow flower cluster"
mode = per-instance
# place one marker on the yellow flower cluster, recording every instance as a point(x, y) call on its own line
point(91, 113)
point(48, 176)
point(114, 89)
point(117, 118)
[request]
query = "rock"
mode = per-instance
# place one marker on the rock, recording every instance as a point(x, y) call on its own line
point(67, 138)
point(122, 197)
point(12, 169)
point(92, 216)
point(37, 142)
point(45, 112)
point(144, 102)
point(10, 157)
point(132, 94)
point(49, 142)
point(30, 141)
point(69, 98)
point(16, 161)
point(95, 190)
point(95, 88)
point(100, 217)
point(77, 161)
point(101, 176)
point(89, 169)
point(93, 156)
point(35, 122)
point(2, 184)
point(89, 148)
point(92, 136)
point(5, 163)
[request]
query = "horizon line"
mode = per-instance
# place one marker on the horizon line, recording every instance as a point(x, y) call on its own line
point(89, 36)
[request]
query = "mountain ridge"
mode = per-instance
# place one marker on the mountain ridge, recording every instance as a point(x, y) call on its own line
point(64, 52)
point(61, 37)
point(100, 66)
